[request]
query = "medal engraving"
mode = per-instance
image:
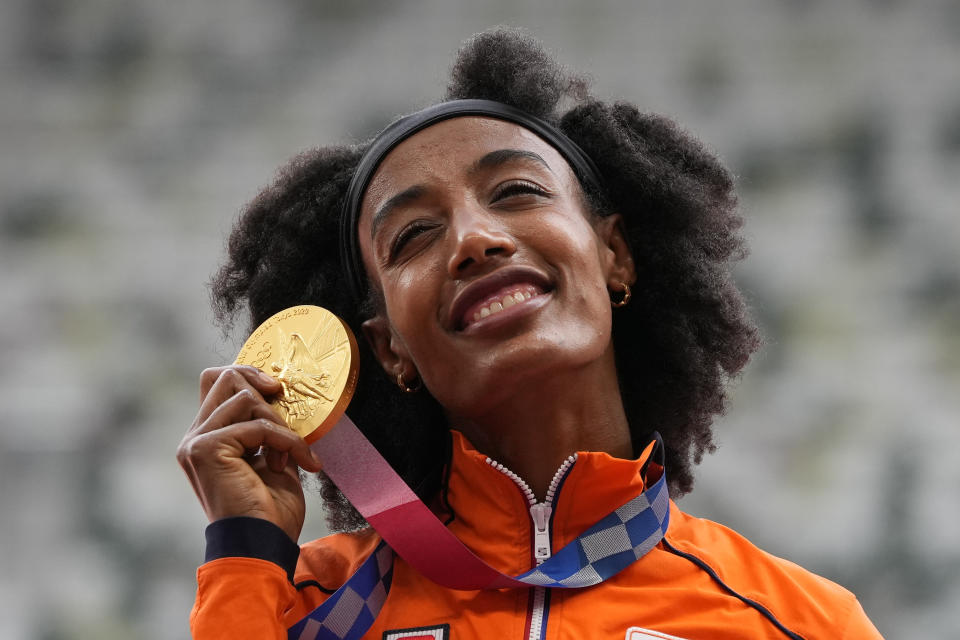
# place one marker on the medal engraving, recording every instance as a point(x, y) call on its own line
point(313, 355)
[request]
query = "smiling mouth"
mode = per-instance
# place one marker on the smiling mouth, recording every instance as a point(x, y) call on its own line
point(502, 300)
point(498, 302)
point(510, 290)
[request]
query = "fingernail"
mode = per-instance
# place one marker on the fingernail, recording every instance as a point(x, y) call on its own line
point(267, 379)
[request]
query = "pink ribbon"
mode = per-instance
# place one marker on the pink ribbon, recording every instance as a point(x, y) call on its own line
point(398, 515)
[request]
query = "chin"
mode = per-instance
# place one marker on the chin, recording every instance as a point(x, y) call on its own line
point(527, 363)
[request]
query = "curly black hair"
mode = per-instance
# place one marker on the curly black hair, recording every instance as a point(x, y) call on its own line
point(685, 332)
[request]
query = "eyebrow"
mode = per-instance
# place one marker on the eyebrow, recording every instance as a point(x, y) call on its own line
point(404, 197)
point(488, 161)
point(502, 156)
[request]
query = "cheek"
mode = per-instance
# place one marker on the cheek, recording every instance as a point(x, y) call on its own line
point(411, 294)
point(410, 301)
point(586, 277)
point(581, 256)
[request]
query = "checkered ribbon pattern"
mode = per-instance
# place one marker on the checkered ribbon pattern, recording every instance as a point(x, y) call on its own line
point(349, 612)
point(598, 553)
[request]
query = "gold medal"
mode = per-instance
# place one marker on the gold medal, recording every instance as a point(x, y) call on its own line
point(313, 355)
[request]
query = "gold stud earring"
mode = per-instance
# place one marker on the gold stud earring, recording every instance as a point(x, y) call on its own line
point(624, 299)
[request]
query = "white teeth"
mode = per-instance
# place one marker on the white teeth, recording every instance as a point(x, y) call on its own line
point(504, 303)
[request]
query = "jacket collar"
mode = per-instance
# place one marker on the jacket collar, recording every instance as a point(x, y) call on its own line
point(490, 513)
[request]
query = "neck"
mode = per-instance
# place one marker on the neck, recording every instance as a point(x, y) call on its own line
point(533, 430)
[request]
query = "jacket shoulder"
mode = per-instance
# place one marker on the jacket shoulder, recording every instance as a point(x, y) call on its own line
point(330, 561)
point(803, 601)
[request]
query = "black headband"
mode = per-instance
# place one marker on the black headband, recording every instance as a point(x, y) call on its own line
point(405, 127)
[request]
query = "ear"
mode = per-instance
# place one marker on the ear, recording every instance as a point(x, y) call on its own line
point(389, 349)
point(615, 251)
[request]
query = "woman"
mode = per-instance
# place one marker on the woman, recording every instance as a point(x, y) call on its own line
point(545, 292)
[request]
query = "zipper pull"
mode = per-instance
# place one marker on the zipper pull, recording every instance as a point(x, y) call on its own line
point(541, 531)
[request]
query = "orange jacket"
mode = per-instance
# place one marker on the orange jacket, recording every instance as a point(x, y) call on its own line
point(668, 593)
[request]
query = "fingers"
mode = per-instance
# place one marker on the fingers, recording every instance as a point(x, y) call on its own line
point(216, 452)
point(234, 419)
point(210, 375)
point(235, 376)
point(228, 482)
point(219, 384)
point(246, 404)
point(282, 444)
point(217, 466)
point(276, 460)
point(234, 441)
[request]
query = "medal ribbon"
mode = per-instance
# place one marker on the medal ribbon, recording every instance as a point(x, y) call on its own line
point(408, 527)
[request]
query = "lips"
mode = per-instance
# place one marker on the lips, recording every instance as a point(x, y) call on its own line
point(492, 294)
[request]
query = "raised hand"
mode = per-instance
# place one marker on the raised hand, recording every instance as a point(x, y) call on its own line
point(240, 457)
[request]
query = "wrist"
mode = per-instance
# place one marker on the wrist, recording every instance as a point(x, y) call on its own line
point(247, 537)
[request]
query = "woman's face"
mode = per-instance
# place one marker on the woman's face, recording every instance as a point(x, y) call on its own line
point(492, 273)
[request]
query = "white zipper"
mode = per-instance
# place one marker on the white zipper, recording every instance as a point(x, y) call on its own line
point(539, 511)
point(536, 614)
point(540, 516)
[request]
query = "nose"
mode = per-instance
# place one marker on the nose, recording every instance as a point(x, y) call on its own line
point(478, 236)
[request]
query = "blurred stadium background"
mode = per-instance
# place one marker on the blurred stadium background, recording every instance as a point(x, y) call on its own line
point(132, 133)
